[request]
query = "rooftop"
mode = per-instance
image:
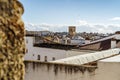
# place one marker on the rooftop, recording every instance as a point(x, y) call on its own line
point(116, 36)
point(90, 57)
point(112, 59)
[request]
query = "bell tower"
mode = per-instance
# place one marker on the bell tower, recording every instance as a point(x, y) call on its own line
point(72, 30)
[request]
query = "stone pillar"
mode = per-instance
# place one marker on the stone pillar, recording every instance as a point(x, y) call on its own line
point(12, 45)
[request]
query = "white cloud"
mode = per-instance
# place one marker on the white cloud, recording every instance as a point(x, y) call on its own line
point(100, 28)
point(82, 26)
point(45, 26)
point(115, 19)
point(82, 22)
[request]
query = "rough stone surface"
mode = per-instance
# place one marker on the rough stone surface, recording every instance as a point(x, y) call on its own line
point(12, 46)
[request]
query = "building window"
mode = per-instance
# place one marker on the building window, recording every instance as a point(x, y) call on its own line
point(45, 58)
point(26, 50)
point(26, 40)
point(38, 57)
point(33, 54)
point(53, 58)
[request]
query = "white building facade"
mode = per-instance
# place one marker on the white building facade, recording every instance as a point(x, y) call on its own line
point(47, 54)
point(106, 69)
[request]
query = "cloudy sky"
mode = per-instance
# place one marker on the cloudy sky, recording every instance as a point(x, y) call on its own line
point(87, 15)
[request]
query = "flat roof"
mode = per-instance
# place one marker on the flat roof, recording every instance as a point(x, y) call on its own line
point(112, 59)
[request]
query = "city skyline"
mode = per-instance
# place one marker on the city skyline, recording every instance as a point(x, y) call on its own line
point(88, 15)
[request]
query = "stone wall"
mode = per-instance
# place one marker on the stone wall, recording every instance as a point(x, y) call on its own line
point(12, 46)
point(105, 70)
point(51, 71)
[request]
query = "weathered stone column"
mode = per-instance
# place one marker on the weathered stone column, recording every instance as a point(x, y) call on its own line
point(12, 46)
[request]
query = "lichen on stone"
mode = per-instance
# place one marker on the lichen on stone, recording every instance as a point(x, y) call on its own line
point(12, 45)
